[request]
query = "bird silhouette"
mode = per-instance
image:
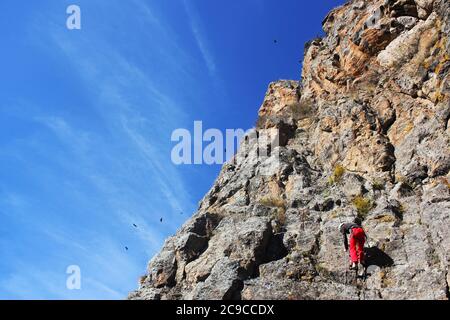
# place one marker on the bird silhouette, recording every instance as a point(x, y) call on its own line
point(126, 248)
point(160, 220)
point(134, 225)
point(275, 41)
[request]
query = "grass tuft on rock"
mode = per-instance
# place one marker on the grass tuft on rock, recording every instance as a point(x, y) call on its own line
point(338, 173)
point(363, 206)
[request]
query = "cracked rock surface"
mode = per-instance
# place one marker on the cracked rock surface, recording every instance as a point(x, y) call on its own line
point(365, 132)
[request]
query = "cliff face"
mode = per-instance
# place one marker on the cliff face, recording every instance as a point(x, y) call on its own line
point(365, 132)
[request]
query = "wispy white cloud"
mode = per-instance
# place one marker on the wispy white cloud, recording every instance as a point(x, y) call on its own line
point(144, 230)
point(31, 281)
point(169, 182)
point(78, 140)
point(107, 269)
point(98, 286)
point(126, 116)
point(126, 170)
point(199, 37)
point(12, 200)
point(166, 176)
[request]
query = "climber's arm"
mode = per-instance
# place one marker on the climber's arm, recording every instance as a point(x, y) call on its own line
point(345, 242)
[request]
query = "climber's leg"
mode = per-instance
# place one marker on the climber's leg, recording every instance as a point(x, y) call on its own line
point(360, 250)
point(353, 253)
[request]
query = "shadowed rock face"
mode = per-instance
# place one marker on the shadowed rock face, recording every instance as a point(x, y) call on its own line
point(365, 132)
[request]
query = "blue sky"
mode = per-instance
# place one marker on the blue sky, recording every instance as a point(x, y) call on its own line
point(86, 118)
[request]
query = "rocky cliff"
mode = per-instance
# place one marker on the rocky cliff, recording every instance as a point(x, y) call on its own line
point(365, 132)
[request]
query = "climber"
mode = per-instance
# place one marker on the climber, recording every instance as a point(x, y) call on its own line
point(357, 240)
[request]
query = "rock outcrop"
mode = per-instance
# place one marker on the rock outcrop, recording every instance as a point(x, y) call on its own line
point(365, 132)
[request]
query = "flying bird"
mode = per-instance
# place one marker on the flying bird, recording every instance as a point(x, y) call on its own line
point(160, 220)
point(134, 225)
point(126, 248)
